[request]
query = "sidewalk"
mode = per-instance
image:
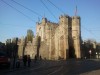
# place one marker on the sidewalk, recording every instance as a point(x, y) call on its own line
point(11, 69)
point(96, 72)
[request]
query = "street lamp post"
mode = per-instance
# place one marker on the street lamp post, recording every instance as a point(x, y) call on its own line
point(96, 55)
point(90, 53)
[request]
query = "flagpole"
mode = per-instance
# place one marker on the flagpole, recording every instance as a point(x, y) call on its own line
point(76, 11)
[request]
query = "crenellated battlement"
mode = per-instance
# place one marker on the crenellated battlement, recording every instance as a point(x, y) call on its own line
point(45, 21)
point(64, 16)
point(75, 17)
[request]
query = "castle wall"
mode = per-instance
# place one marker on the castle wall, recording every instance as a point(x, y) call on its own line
point(46, 30)
point(60, 37)
point(44, 50)
point(20, 51)
point(55, 39)
point(29, 49)
point(20, 47)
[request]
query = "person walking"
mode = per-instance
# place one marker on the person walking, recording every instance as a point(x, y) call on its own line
point(18, 63)
point(29, 60)
point(25, 60)
point(35, 59)
point(40, 57)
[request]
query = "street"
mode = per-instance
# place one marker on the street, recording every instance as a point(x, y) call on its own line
point(68, 67)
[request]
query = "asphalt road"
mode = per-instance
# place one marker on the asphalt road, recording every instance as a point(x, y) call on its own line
point(68, 67)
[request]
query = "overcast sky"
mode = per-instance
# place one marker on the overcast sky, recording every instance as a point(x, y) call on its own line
point(15, 19)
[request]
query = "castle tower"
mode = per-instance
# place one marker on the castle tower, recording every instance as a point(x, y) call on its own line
point(30, 35)
point(44, 22)
point(76, 34)
point(41, 28)
point(63, 37)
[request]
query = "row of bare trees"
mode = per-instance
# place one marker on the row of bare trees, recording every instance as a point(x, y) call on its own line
point(90, 49)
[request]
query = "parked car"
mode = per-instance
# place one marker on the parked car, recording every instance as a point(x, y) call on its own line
point(4, 60)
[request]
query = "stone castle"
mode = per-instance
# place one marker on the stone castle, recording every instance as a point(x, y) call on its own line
point(53, 41)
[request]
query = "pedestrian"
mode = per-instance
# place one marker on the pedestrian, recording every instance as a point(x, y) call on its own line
point(17, 63)
point(29, 60)
point(40, 57)
point(35, 58)
point(25, 60)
